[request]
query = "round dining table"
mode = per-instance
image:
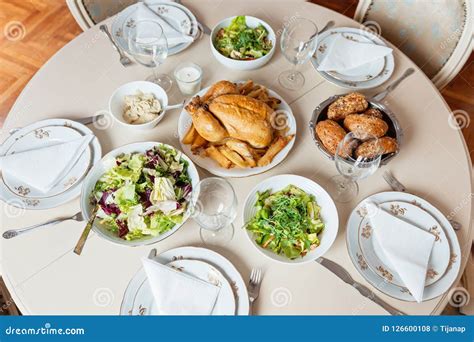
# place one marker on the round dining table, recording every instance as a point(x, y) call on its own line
point(45, 277)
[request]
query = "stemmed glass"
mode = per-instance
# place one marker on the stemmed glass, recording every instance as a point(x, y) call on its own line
point(214, 208)
point(149, 47)
point(298, 44)
point(351, 169)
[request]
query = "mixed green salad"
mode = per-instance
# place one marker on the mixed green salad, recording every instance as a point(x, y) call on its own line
point(143, 194)
point(287, 222)
point(238, 41)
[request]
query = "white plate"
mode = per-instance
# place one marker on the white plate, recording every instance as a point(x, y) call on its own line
point(144, 302)
point(24, 201)
point(220, 263)
point(373, 253)
point(443, 283)
point(43, 137)
point(328, 214)
point(363, 73)
point(173, 12)
point(365, 77)
point(284, 113)
point(106, 163)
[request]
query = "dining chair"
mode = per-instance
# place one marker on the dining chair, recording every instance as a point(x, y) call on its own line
point(437, 34)
point(88, 13)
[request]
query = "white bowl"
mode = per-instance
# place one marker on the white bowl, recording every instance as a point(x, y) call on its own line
point(117, 102)
point(237, 64)
point(106, 163)
point(329, 214)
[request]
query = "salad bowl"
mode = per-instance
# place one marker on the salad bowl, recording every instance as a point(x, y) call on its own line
point(91, 198)
point(247, 64)
point(327, 215)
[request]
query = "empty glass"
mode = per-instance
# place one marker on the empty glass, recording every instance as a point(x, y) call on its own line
point(214, 208)
point(351, 169)
point(298, 44)
point(149, 47)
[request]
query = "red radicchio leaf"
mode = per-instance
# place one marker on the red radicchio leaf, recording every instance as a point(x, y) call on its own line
point(123, 229)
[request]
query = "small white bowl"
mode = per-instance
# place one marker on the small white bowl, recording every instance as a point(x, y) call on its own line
point(117, 102)
point(237, 64)
point(103, 166)
point(329, 214)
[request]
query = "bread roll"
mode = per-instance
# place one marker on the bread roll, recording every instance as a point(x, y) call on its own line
point(330, 133)
point(345, 105)
point(365, 126)
point(371, 148)
point(374, 112)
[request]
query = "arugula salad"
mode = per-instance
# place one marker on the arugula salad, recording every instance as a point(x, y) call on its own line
point(287, 222)
point(238, 41)
point(143, 194)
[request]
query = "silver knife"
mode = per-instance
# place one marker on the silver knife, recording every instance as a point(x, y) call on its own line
point(84, 121)
point(342, 274)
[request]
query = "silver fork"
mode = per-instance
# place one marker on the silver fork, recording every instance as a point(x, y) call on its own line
point(15, 232)
point(397, 186)
point(254, 286)
point(123, 59)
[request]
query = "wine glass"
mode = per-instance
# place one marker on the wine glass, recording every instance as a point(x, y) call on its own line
point(298, 44)
point(214, 208)
point(352, 168)
point(149, 47)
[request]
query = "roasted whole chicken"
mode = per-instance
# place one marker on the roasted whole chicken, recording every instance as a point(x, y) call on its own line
point(232, 124)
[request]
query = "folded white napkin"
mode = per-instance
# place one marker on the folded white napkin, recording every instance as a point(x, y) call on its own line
point(45, 167)
point(344, 54)
point(177, 293)
point(407, 247)
point(173, 37)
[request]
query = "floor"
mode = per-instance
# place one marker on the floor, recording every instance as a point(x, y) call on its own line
point(33, 30)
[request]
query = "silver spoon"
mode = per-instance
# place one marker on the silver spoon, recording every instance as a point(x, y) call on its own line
point(15, 232)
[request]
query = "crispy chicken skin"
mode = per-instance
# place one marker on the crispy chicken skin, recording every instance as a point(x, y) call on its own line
point(218, 89)
point(208, 126)
point(244, 118)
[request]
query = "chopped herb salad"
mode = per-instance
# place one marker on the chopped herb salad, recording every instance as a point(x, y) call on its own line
point(287, 222)
point(238, 41)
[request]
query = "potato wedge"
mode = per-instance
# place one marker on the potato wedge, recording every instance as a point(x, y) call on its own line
point(233, 156)
point(198, 142)
point(244, 150)
point(215, 154)
point(277, 145)
point(245, 87)
point(190, 135)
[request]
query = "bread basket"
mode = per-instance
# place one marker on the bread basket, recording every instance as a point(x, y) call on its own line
point(394, 128)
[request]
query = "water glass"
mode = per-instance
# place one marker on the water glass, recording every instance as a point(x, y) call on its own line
point(149, 47)
point(214, 208)
point(298, 44)
point(351, 169)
